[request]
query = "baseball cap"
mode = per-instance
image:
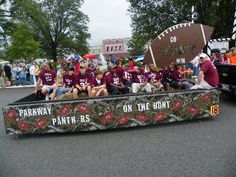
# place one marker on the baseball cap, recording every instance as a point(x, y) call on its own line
point(203, 55)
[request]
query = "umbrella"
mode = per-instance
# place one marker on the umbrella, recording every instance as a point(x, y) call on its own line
point(89, 56)
point(140, 58)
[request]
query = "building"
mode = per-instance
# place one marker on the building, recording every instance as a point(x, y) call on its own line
point(116, 47)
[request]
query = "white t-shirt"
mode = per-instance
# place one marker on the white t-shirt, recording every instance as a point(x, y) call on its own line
point(195, 61)
point(32, 70)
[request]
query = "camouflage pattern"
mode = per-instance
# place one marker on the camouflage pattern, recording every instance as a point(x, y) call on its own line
point(109, 112)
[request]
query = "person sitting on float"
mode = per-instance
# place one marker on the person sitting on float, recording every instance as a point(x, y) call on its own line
point(168, 77)
point(68, 84)
point(98, 85)
point(115, 83)
point(82, 83)
point(48, 78)
point(180, 81)
point(140, 81)
point(208, 77)
point(155, 78)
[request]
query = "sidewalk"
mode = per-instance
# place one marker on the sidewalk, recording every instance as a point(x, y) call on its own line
point(19, 86)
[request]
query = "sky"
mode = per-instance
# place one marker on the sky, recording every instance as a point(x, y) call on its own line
point(108, 19)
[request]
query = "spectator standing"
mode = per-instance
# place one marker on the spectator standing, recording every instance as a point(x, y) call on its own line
point(14, 72)
point(32, 74)
point(7, 70)
point(2, 85)
point(36, 72)
point(22, 76)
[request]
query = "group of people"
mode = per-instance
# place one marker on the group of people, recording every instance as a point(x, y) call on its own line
point(116, 80)
point(20, 74)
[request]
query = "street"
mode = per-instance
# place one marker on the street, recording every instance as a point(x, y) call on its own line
point(189, 149)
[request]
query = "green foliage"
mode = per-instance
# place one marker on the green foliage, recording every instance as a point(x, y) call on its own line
point(59, 24)
point(151, 17)
point(23, 45)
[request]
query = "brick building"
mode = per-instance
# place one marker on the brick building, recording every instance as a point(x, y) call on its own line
point(116, 47)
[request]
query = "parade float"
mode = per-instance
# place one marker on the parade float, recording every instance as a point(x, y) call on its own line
point(33, 115)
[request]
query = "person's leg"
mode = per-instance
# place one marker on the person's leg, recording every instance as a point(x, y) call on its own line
point(34, 80)
point(148, 88)
point(89, 90)
point(135, 87)
point(93, 93)
point(75, 93)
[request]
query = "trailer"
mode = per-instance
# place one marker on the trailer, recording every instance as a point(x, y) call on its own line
point(39, 117)
point(34, 115)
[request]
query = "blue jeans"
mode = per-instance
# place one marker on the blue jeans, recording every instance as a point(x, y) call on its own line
point(60, 91)
point(195, 71)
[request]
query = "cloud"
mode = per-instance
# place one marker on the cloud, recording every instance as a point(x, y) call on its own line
point(108, 19)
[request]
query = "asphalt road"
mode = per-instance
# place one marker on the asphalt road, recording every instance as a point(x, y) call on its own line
point(190, 149)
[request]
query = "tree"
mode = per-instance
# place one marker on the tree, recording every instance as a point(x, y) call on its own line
point(23, 45)
point(59, 24)
point(151, 17)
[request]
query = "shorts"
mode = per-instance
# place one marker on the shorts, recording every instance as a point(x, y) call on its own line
point(49, 87)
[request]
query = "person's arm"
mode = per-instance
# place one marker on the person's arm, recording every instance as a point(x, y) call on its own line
point(200, 77)
point(144, 84)
point(113, 85)
point(37, 85)
point(71, 89)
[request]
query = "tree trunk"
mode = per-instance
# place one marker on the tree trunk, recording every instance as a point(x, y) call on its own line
point(54, 52)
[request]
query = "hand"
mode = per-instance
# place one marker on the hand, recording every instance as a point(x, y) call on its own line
point(35, 91)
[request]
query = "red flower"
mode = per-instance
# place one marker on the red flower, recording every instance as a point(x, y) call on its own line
point(124, 119)
point(83, 108)
point(23, 126)
point(193, 110)
point(41, 123)
point(10, 115)
point(206, 97)
point(160, 116)
point(65, 110)
point(141, 117)
point(177, 105)
point(106, 119)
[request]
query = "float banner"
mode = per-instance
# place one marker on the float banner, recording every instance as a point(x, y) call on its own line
point(109, 112)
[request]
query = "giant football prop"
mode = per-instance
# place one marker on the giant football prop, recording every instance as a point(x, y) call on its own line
point(181, 42)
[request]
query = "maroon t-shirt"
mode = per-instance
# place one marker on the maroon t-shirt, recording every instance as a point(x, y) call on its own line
point(139, 78)
point(68, 80)
point(210, 73)
point(115, 79)
point(107, 75)
point(95, 82)
point(48, 77)
point(176, 75)
point(120, 71)
point(127, 75)
point(83, 79)
point(154, 77)
point(90, 72)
